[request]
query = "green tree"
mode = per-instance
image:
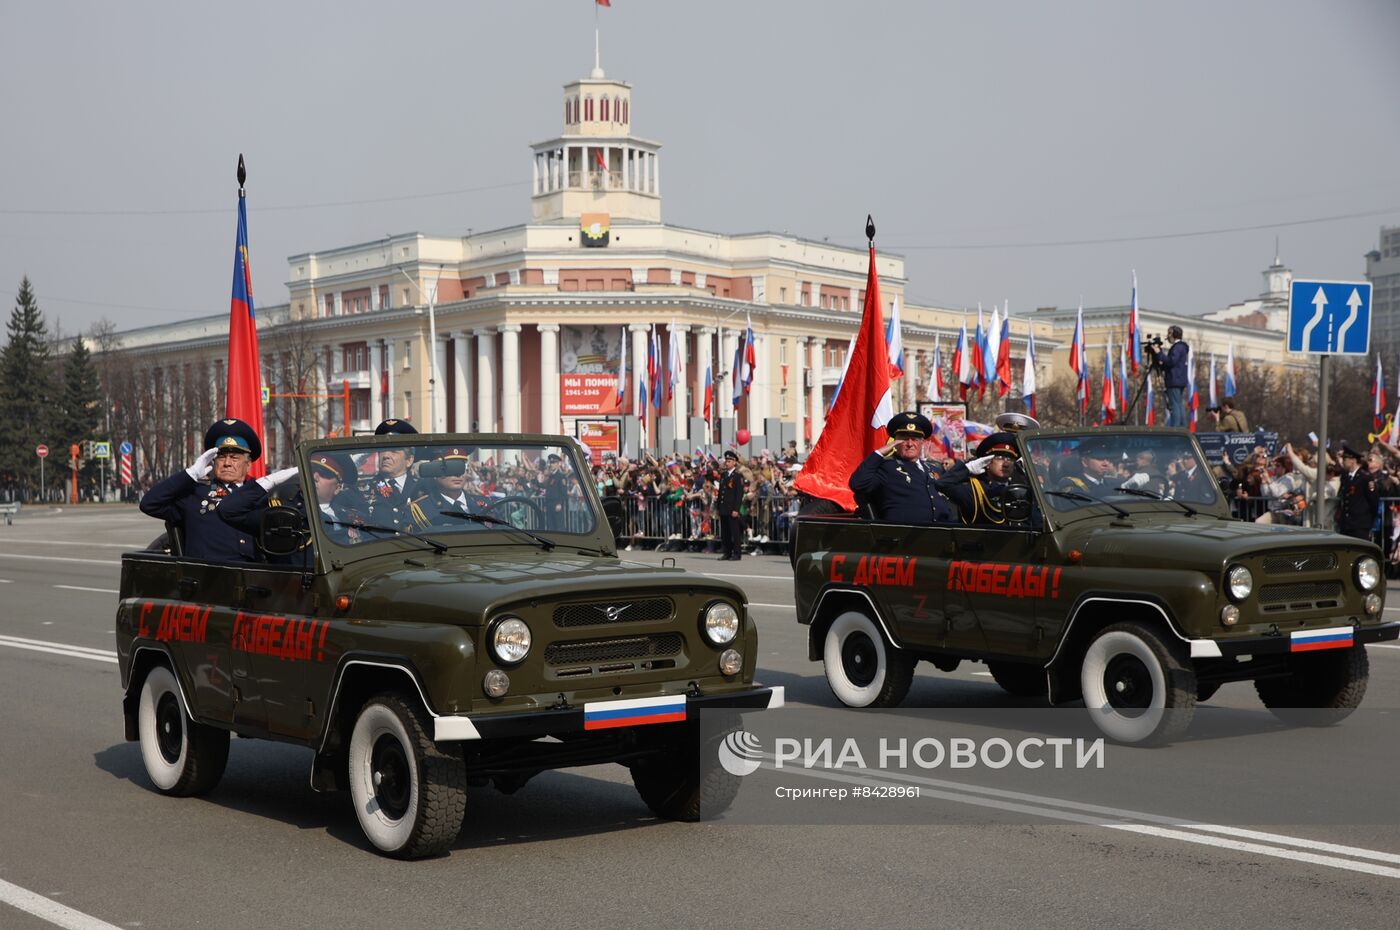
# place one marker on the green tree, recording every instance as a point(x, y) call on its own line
point(26, 393)
point(80, 410)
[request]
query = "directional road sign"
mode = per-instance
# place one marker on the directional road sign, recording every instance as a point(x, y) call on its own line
point(125, 448)
point(101, 450)
point(1329, 317)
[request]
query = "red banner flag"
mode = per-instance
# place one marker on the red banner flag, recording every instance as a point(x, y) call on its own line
point(244, 366)
point(855, 426)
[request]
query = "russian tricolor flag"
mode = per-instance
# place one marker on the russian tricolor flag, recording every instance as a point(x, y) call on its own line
point(608, 715)
point(1311, 640)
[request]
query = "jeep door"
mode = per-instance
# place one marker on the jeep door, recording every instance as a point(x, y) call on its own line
point(276, 637)
point(906, 572)
point(998, 579)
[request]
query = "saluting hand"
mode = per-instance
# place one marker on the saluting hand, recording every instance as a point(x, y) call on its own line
point(268, 482)
point(202, 465)
point(887, 448)
point(978, 466)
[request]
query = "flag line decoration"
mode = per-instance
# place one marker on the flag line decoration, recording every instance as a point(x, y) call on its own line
point(709, 393)
point(936, 380)
point(1078, 360)
point(1028, 375)
point(1230, 370)
point(606, 715)
point(1395, 424)
point(1134, 329)
point(894, 338)
point(1003, 359)
point(244, 400)
point(1110, 405)
point(1210, 393)
point(622, 368)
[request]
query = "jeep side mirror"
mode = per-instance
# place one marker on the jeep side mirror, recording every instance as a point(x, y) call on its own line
point(612, 509)
point(1017, 503)
point(282, 531)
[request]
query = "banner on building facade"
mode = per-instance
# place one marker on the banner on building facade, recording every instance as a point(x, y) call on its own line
point(588, 360)
point(594, 229)
point(602, 439)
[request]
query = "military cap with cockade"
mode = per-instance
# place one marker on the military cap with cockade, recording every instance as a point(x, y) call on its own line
point(998, 444)
point(394, 426)
point(909, 423)
point(1014, 422)
point(336, 464)
point(233, 434)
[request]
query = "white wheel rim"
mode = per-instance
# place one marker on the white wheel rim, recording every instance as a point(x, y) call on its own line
point(159, 683)
point(386, 832)
point(837, 641)
point(1113, 722)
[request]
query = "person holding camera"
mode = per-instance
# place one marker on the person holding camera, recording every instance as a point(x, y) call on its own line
point(1174, 362)
point(1228, 418)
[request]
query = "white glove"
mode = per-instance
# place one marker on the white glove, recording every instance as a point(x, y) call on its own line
point(268, 482)
point(202, 465)
point(1137, 481)
point(978, 466)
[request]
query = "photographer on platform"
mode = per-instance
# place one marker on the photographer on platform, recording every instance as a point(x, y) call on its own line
point(1174, 374)
point(1228, 418)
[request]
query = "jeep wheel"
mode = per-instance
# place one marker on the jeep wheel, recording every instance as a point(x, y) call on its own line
point(862, 668)
point(182, 758)
point(409, 795)
point(686, 782)
point(1320, 689)
point(1137, 687)
point(1018, 679)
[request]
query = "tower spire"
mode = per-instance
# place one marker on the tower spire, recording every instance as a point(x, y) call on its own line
point(597, 61)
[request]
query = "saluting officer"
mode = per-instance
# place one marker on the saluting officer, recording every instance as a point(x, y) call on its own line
point(732, 488)
point(1358, 498)
point(392, 493)
point(979, 486)
point(1097, 468)
point(901, 486)
point(190, 499)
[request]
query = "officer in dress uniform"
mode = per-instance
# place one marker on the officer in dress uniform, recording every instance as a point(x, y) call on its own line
point(190, 499)
point(979, 486)
point(391, 494)
point(556, 492)
point(442, 484)
point(901, 487)
point(732, 488)
point(1098, 470)
point(1357, 496)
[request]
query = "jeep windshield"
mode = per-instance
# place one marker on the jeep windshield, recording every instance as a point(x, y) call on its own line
point(446, 491)
point(1118, 468)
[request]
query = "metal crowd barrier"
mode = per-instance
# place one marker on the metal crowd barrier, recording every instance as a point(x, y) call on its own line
point(651, 522)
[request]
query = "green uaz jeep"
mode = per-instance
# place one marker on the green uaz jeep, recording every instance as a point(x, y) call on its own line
point(1108, 569)
point(453, 613)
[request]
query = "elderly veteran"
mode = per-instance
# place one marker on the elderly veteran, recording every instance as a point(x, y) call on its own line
point(897, 483)
point(190, 499)
point(391, 494)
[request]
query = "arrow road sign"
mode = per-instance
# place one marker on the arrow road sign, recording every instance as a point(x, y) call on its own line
point(1329, 317)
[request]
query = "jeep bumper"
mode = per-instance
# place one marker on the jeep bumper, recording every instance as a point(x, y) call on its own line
point(1342, 636)
point(537, 723)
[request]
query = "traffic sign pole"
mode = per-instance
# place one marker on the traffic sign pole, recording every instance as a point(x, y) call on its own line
point(1321, 460)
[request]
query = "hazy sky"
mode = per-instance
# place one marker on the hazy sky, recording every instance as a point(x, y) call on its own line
point(956, 124)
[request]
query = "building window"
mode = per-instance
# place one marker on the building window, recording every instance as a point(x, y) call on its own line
point(783, 402)
point(405, 297)
point(408, 405)
point(604, 106)
point(383, 297)
point(566, 110)
point(359, 405)
point(355, 356)
point(624, 111)
point(330, 305)
point(782, 351)
point(617, 110)
point(782, 295)
point(588, 108)
point(407, 355)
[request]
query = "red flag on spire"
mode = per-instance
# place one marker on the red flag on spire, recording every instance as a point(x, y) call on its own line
point(244, 366)
point(855, 426)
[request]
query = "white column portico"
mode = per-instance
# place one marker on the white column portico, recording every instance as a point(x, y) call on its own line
point(798, 409)
point(389, 403)
point(724, 389)
point(376, 378)
point(680, 403)
point(704, 361)
point(461, 381)
point(439, 387)
point(549, 378)
point(814, 401)
point(485, 379)
point(638, 363)
point(510, 377)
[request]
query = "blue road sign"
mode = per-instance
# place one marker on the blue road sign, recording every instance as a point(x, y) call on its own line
point(126, 448)
point(1329, 317)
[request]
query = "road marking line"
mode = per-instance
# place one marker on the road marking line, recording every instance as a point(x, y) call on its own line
point(6, 581)
point(62, 649)
point(760, 577)
point(74, 587)
point(59, 558)
point(1384, 645)
point(983, 674)
point(48, 910)
point(69, 542)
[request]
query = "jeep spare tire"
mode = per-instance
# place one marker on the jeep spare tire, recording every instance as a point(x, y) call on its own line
point(862, 667)
point(1137, 686)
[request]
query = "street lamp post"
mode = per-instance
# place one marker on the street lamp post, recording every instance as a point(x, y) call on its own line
point(431, 300)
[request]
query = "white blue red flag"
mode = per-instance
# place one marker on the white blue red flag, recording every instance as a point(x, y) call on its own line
point(894, 338)
point(1134, 332)
point(244, 400)
point(1028, 376)
point(1230, 370)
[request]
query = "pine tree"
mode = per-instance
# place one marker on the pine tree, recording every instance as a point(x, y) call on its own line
point(26, 393)
point(80, 411)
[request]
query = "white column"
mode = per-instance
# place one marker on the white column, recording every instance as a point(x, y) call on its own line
point(638, 363)
point(376, 378)
point(814, 399)
point(389, 402)
point(439, 388)
point(656, 175)
point(680, 406)
point(724, 391)
point(549, 378)
point(461, 379)
point(485, 380)
point(626, 168)
point(535, 174)
point(510, 377)
point(704, 358)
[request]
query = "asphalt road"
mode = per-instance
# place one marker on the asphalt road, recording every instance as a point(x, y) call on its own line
point(86, 843)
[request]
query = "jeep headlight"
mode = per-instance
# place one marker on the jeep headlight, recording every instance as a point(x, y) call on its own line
point(510, 640)
point(1368, 573)
point(1239, 583)
point(720, 624)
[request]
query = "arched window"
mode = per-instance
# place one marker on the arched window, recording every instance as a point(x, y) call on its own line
point(617, 110)
point(566, 109)
point(624, 111)
point(588, 108)
point(604, 115)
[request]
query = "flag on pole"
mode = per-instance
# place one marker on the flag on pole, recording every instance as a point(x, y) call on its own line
point(1110, 402)
point(1395, 424)
point(894, 338)
point(244, 400)
point(1079, 361)
point(979, 362)
point(640, 401)
point(1151, 418)
point(709, 393)
point(1028, 375)
point(856, 425)
point(655, 376)
point(606, 3)
point(737, 373)
point(962, 361)
point(750, 355)
point(993, 349)
point(1230, 370)
point(676, 364)
point(1124, 395)
point(622, 368)
point(1210, 391)
point(1378, 395)
point(1134, 333)
point(1193, 400)
point(936, 381)
point(1003, 360)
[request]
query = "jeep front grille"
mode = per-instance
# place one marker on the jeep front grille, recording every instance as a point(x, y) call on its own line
point(1309, 595)
point(628, 648)
point(1287, 564)
point(622, 610)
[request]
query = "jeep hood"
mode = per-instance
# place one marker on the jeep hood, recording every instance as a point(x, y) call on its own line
point(1193, 543)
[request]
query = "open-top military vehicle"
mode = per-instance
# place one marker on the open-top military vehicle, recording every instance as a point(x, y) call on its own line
point(1138, 593)
point(467, 622)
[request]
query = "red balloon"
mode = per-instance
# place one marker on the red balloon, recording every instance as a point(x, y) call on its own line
point(742, 437)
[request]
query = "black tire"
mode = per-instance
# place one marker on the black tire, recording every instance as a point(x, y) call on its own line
point(1138, 687)
point(182, 758)
point(1321, 687)
point(409, 795)
point(863, 668)
point(1019, 679)
point(1205, 691)
point(686, 782)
